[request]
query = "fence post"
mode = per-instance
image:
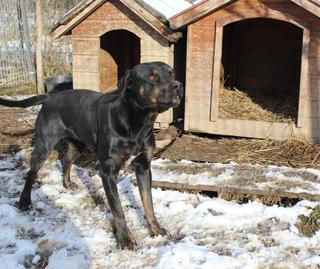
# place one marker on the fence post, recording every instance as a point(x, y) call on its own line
point(25, 27)
point(39, 62)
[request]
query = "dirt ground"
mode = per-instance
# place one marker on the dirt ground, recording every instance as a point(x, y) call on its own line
point(209, 148)
point(16, 133)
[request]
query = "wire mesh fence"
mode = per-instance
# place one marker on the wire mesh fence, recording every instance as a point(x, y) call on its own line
point(17, 42)
point(13, 65)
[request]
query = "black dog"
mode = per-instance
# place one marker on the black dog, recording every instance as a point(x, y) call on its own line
point(117, 125)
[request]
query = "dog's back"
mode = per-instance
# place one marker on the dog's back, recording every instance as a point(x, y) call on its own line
point(71, 114)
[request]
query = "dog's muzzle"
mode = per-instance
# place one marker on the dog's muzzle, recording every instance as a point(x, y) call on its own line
point(177, 93)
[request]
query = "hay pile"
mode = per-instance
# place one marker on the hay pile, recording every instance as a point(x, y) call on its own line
point(291, 152)
point(26, 89)
point(257, 105)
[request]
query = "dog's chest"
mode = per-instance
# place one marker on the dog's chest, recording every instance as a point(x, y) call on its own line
point(132, 147)
point(134, 144)
point(136, 139)
point(129, 151)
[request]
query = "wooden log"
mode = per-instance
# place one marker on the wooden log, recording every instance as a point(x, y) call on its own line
point(242, 195)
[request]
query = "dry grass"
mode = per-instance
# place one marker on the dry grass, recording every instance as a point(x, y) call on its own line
point(55, 64)
point(238, 104)
point(295, 153)
point(292, 152)
point(14, 133)
point(26, 89)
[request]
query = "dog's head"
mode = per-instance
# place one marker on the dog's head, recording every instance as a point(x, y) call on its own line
point(153, 86)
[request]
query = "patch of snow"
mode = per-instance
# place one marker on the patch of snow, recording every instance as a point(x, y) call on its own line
point(225, 175)
point(69, 230)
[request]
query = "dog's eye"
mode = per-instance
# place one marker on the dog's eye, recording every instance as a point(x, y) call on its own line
point(172, 74)
point(152, 77)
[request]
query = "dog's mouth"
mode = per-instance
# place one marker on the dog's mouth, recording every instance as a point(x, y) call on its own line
point(174, 102)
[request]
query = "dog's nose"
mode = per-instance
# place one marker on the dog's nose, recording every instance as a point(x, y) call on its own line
point(176, 85)
point(178, 88)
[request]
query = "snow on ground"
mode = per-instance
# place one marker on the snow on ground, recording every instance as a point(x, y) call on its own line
point(71, 229)
point(240, 176)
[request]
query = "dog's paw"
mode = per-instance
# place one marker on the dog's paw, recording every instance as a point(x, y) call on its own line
point(24, 205)
point(70, 185)
point(158, 230)
point(127, 243)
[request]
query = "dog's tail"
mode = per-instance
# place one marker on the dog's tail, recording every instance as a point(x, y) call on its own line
point(32, 101)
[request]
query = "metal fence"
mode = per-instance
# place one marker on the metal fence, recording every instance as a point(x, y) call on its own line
point(17, 41)
point(13, 60)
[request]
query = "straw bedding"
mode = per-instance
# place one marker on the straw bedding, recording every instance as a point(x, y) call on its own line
point(257, 105)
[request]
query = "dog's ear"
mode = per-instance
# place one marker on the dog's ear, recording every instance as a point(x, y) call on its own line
point(126, 81)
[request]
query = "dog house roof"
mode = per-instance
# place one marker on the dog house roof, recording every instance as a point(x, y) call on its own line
point(153, 12)
point(169, 8)
point(202, 8)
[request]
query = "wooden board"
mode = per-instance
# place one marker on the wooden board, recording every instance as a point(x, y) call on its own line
point(229, 193)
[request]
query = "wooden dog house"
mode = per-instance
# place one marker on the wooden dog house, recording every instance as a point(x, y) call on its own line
point(109, 37)
point(269, 47)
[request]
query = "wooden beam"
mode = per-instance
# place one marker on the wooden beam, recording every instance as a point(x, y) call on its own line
point(308, 5)
point(196, 12)
point(151, 20)
point(69, 25)
point(156, 13)
point(305, 92)
point(70, 14)
point(39, 63)
point(216, 81)
point(266, 196)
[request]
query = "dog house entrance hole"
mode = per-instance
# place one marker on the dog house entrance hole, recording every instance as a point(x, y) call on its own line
point(119, 51)
point(261, 60)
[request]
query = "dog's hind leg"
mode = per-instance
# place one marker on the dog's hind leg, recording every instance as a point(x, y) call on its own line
point(40, 153)
point(72, 154)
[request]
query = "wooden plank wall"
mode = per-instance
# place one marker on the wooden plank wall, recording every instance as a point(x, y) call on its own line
point(199, 74)
point(86, 62)
point(200, 62)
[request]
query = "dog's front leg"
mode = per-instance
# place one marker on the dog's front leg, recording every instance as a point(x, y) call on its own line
point(144, 178)
point(109, 179)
